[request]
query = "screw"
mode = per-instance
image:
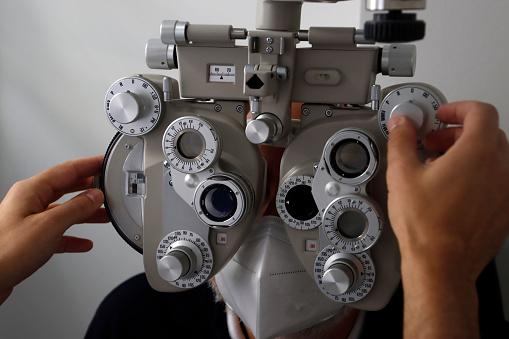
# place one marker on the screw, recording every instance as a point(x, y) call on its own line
point(218, 108)
point(268, 49)
point(269, 40)
point(328, 113)
point(136, 237)
point(240, 109)
point(127, 146)
point(305, 112)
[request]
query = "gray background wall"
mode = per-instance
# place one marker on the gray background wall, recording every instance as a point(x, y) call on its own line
point(58, 58)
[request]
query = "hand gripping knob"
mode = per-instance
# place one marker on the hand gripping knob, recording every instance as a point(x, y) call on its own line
point(338, 279)
point(179, 262)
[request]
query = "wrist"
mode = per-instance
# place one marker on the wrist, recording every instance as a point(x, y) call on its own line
point(438, 300)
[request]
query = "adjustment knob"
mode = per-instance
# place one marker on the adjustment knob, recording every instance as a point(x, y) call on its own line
point(124, 107)
point(398, 60)
point(394, 26)
point(160, 56)
point(177, 263)
point(413, 112)
point(265, 129)
point(134, 105)
point(338, 279)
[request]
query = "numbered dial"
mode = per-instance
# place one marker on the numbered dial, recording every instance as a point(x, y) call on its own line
point(191, 144)
point(184, 259)
point(352, 223)
point(344, 277)
point(133, 105)
point(417, 102)
point(296, 205)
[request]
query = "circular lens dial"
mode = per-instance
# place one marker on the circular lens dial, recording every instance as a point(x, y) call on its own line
point(184, 259)
point(190, 144)
point(352, 223)
point(296, 205)
point(418, 102)
point(344, 277)
point(133, 105)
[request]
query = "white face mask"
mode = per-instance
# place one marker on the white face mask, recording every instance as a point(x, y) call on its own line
point(268, 288)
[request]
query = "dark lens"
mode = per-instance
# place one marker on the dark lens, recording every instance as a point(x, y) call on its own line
point(351, 224)
point(190, 145)
point(218, 202)
point(300, 204)
point(349, 158)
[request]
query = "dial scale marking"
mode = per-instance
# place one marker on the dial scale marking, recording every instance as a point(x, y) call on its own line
point(202, 272)
point(355, 204)
point(365, 275)
point(281, 207)
point(137, 98)
point(209, 148)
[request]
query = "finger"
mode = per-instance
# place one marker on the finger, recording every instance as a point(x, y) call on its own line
point(474, 115)
point(50, 184)
point(77, 210)
point(402, 144)
point(442, 140)
point(99, 217)
point(74, 245)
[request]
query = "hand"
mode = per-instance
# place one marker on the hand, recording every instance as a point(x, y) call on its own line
point(454, 206)
point(450, 215)
point(32, 227)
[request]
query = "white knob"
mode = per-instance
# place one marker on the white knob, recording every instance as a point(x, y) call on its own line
point(176, 264)
point(124, 107)
point(338, 279)
point(413, 112)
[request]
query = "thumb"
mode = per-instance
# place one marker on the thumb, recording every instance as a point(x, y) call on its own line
point(402, 156)
point(76, 210)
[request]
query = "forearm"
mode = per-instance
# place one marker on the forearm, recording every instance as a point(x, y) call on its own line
point(438, 304)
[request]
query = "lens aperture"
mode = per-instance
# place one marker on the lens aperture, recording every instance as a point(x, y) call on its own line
point(349, 158)
point(300, 204)
point(351, 224)
point(190, 145)
point(218, 202)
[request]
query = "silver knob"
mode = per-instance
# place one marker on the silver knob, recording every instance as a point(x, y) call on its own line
point(398, 60)
point(266, 128)
point(338, 279)
point(159, 55)
point(179, 262)
point(124, 107)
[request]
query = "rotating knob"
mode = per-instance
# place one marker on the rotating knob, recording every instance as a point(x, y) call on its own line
point(418, 102)
point(267, 128)
point(160, 56)
point(177, 263)
point(413, 112)
point(344, 277)
point(395, 26)
point(124, 107)
point(133, 105)
point(398, 60)
point(338, 279)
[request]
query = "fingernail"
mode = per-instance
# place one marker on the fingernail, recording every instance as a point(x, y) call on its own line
point(95, 195)
point(394, 122)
